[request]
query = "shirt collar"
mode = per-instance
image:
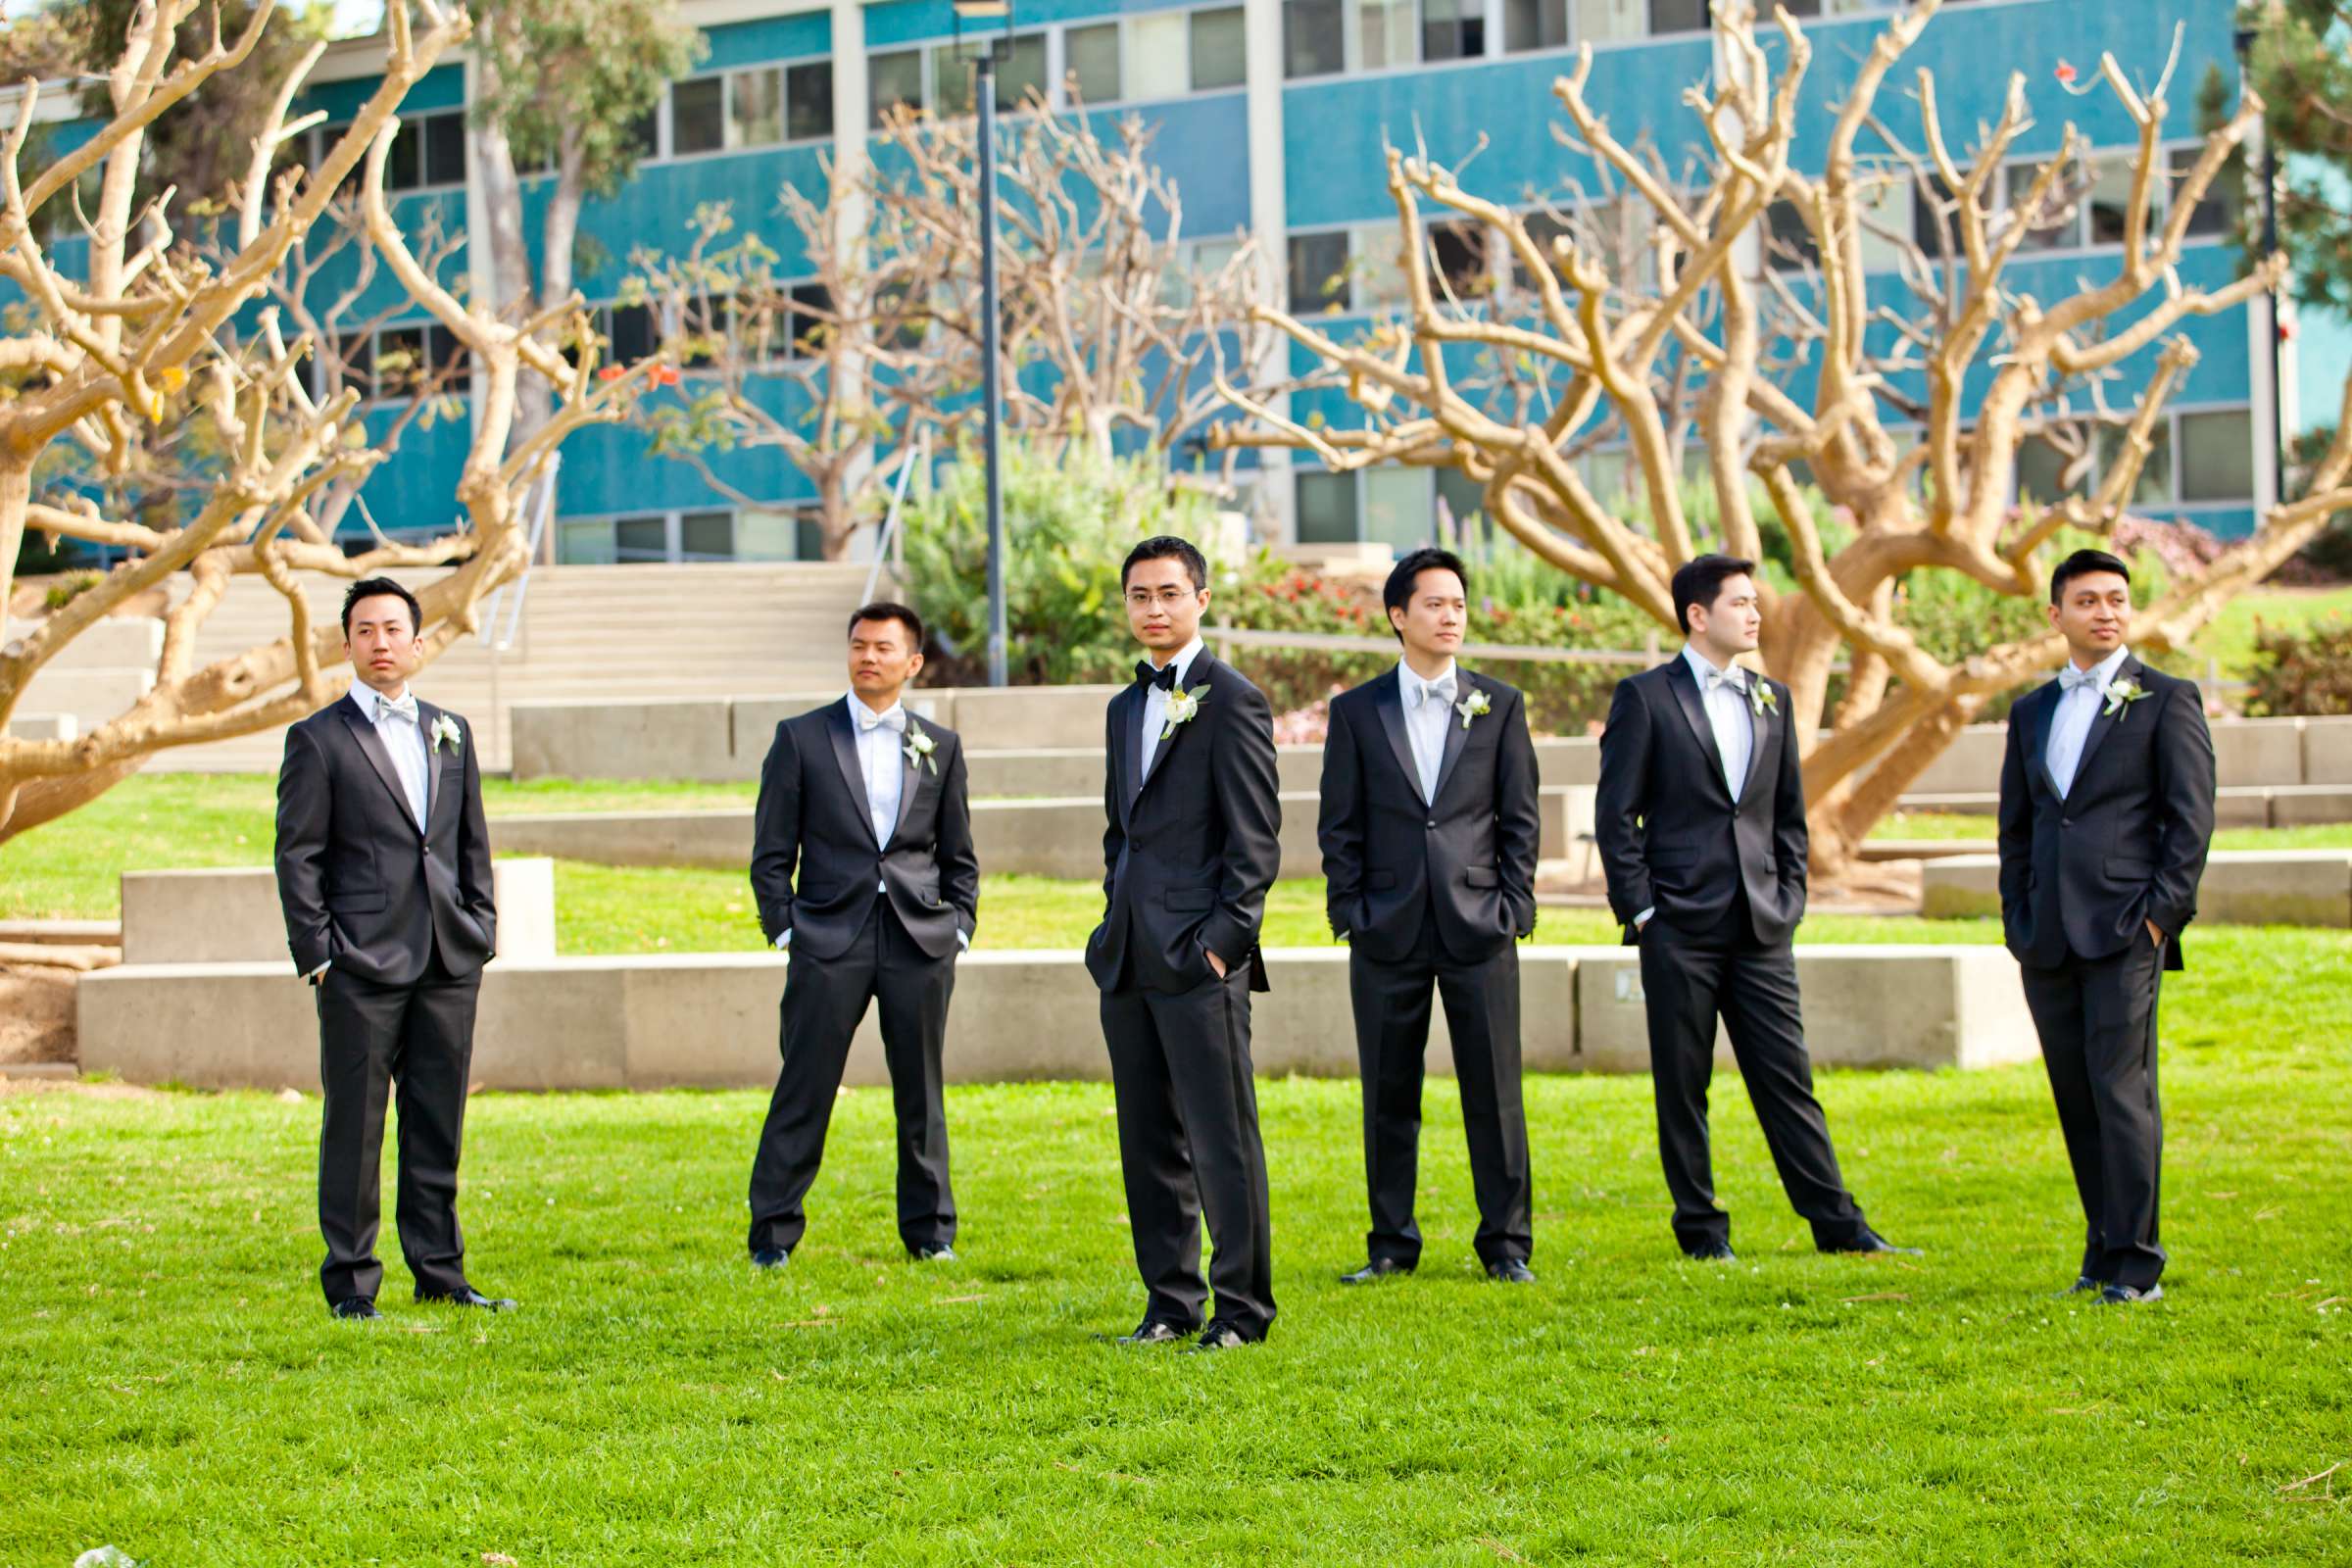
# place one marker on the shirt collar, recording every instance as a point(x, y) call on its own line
point(2103, 673)
point(1411, 683)
point(1701, 666)
point(1185, 657)
point(856, 702)
point(371, 701)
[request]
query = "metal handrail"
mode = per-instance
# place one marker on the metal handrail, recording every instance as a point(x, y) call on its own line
point(1340, 642)
point(908, 460)
point(541, 503)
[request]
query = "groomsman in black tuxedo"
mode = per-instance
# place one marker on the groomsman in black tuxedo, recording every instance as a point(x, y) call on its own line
point(1701, 825)
point(2106, 812)
point(1429, 833)
point(863, 867)
point(383, 870)
point(1188, 849)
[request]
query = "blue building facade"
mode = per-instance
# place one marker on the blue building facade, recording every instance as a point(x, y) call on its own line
point(1271, 117)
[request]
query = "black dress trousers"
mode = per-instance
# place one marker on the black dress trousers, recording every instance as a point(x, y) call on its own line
point(824, 1001)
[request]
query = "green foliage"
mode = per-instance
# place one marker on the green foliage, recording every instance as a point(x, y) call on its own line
point(2302, 66)
point(1068, 524)
point(66, 590)
point(2302, 671)
point(580, 76)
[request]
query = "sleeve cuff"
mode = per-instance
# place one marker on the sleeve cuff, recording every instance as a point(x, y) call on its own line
point(963, 942)
point(784, 940)
point(1642, 919)
point(321, 969)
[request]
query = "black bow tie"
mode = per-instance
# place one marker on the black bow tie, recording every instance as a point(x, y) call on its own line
point(1163, 677)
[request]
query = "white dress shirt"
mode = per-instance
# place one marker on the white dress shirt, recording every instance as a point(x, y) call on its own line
point(1724, 695)
point(882, 764)
point(1428, 704)
point(402, 730)
point(2077, 710)
point(1155, 705)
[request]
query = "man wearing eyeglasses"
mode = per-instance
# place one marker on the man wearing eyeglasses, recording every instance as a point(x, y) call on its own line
point(1190, 847)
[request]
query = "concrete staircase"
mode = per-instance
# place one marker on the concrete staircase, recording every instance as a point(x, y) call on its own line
point(627, 633)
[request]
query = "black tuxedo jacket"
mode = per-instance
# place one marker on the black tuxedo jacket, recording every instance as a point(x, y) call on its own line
point(1389, 856)
point(1669, 832)
point(1188, 852)
point(815, 867)
point(2125, 845)
point(360, 883)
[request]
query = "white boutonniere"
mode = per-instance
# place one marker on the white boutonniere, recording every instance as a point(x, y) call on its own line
point(445, 733)
point(2123, 694)
point(919, 748)
point(1474, 705)
point(1182, 707)
point(1760, 698)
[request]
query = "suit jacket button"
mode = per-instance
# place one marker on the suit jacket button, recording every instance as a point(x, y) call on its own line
point(1432, 822)
point(2066, 821)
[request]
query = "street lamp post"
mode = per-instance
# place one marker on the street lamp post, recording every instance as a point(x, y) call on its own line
point(984, 91)
point(2244, 40)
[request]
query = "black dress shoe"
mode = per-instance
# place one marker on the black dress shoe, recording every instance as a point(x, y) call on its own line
point(1219, 1336)
point(356, 1306)
point(1380, 1268)
point(1873, 1242)
point(467, 1295)
point(1511, 1271)
point(2084, 1285)
point(769, 1257)
point(941, 1254)
point(1155, 1331)
point(1712, 1253)
point(2129, 1295)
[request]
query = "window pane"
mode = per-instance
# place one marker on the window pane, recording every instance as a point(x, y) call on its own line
point(812, 306)
point(707, 536)
point(765, 535)
point(631, 329)
point(1677, 15)
point(399, 360)
point(1326, 508)
point(584, 542)
point(1465, 500)
point(2217, 456)
point(1021, 79)
point(894, 79)
point(2042, 473)
point(1452, 29)
point(755, 108)
point(1397, 508)
point(808, 100)
point(445, 149)
point(1385, 31)
point(1093, 57)
point(696, 116)
point(1542, 228)
point(451, 357)
point(1458, 251)
point(1320, 271)
point(2052, 225)
point(1790, 246)
point(1534, 25)
point(403, 168)
point(1376, 263)
point(641, 539)
point(2110, 200)
point(2216, 214)
point(1608, 21)
point(1156, 64)
point(643, 136)
point(952, 73)
point(2155, 484)
point(1884, 211)
point(1217, 57)
point(1934, 225)
point(1313, 38)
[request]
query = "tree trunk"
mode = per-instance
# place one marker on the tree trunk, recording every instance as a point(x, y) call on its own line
point(28, 802)
point(15, 494)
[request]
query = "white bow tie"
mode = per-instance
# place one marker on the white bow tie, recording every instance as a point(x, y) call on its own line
point(405, 707)
point(1436, 691)
point(2072, 678)
point(894, 721)
point(1713, 678)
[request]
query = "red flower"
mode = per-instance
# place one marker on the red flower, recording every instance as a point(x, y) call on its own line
point(611, 372)
point(665, 375)
point(2066, 74)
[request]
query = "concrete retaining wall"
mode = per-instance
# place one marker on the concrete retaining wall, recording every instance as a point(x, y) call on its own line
point(2242, 806)
point(2241, 887)
point(230, 915)
point(711, 1019)
point(1049, 837)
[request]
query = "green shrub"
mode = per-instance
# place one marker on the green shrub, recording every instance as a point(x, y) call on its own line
point(68, 588)
point(2304, 671)
point(1067, 527)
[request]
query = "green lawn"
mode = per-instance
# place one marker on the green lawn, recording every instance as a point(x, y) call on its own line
point(2229, 637)
point(174, 1387)
point(1944, 826)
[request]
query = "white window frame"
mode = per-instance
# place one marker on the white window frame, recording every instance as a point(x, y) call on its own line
point(664, 122)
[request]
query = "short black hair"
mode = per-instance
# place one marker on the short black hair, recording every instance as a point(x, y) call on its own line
point(888, 609)
point(373, 587)
point(1700, 579)
point(1167, 547)
point(1398, 590)
point(2082, 563)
